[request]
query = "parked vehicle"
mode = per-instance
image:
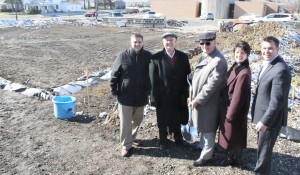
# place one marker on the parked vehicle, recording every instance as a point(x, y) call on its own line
point(279, 17)
point(207, 16)
point(90, 14)
point(135, 11)
point(110, 14)
point(131, 11)
point(115, 14)
point(149, 15)
point(145, 10)
point(249, 17)
point(125, 11)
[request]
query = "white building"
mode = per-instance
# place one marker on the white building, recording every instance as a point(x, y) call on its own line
point(46, 6)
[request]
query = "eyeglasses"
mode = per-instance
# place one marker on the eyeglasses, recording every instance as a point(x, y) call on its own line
point(206, 43)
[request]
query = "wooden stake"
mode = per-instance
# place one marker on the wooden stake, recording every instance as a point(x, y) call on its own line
point(88, 93)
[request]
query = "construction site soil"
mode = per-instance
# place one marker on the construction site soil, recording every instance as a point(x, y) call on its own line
point(33, 141)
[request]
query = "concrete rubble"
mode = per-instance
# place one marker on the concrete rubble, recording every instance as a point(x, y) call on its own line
point(40, 24)
point(93, 79)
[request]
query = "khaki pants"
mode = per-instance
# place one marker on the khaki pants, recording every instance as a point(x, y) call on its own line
point(130, 120)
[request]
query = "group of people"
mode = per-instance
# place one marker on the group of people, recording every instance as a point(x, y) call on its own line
point(220, 97)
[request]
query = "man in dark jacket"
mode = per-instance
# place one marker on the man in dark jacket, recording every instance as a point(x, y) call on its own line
point(270, 104)
point(168, 73)
point(130, 83)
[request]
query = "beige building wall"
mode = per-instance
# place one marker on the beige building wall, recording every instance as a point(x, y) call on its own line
point(181, 9)
point(243, 7)
point(258, 7)
point(272, 8)
point(184, 9)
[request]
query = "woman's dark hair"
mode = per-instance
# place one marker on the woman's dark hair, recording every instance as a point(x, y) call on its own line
point(244, 46)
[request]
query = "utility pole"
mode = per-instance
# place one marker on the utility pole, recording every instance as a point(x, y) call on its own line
point(97, 2)
point(16, 10)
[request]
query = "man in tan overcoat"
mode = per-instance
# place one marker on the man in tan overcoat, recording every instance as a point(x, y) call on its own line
point(208, 80)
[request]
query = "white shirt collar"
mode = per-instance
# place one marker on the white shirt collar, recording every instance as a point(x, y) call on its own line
point(269, 62)
point(171, 55)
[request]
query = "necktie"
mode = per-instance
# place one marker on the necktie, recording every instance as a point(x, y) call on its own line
point(172, 61)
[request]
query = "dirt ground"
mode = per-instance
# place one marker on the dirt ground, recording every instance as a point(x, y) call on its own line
point(33, 141)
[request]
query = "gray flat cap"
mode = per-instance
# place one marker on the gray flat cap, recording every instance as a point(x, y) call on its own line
point(169, 34)
point(208, 36)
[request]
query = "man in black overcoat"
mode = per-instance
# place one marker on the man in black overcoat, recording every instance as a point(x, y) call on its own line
point(169, 69)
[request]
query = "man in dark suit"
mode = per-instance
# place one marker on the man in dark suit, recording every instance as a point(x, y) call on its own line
point(270, 104)
point(168, 70)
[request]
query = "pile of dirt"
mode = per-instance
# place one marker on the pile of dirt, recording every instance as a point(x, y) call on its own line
point(33, 141)
point(251, 34)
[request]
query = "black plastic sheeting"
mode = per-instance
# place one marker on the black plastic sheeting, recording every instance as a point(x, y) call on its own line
point(290, 134)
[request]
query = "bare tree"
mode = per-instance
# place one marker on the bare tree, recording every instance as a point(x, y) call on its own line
point(106, 4)
point(21, 4)
point(14, 4)
point(110, 4)
point(11, 2)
